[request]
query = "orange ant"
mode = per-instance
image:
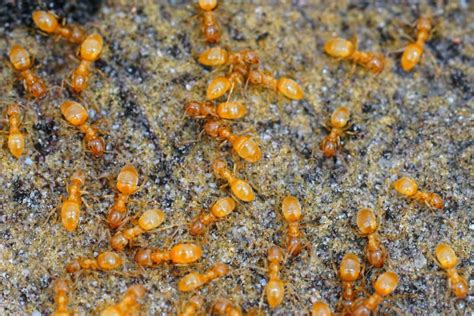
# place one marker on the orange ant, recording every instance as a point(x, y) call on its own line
point(412, 53)
point(127, 184)
point(90, 51)
point(105, 261)
point(149, 220)
point(338, 125)
point(61, 290)
point(194, 280)
point(77, 115)
point(217, 56)
point(219, 209)
point(70, 211)
point(320, 308)
point(47, 22)
point(16, 140)
point(191, 308)
point(367, 223)
point(20, 59)
point(179, 254)
point(275, 289)
point(349, 272)
point(240, 188)
point(130, 304)
point(385, 285)
point(288, 87)
point(225, 110)
point(244, 146)
point(225, 307)
point(408, 187)
point(343, 49)
point(291, 209)
point(210, 25)
point(220, 85)
point(448, 260)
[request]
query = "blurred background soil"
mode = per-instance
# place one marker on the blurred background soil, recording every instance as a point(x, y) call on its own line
point(418, 124)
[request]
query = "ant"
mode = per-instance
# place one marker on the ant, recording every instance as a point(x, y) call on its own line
point(194, 280)
point(130, 303)
point(291, 209)
point(275, 289)
point(286, 86)
point(240, 188)
point(179, 254)
point(408, 187)
point(220, 85)
point(149, 220)
point(16, 140)
point(448, 260)
point(221, 208)
point(225, 307)
point(217, 56)
point(90, 51)
point(349, 272)
point(77, 116)
point(70, 210)
point(47, 22)
point(61, 290)
point(244, 146)
point(338, 126)
point(385, 285)
point(320, 308)
point(367, 223)
point(127, 184)
point(20, 59)
point(210, 25)
point(412, 53)
point(105, 261)
point(191, 308)
point(225, 110)
point(343, 49)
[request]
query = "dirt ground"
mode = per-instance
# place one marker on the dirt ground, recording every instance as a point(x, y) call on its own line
point(418, 124)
